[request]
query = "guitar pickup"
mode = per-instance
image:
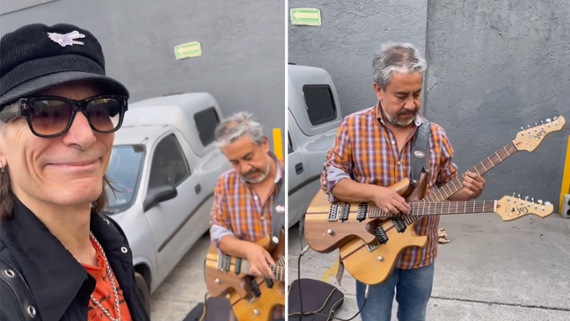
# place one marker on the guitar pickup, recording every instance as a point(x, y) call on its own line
point(362, 211)
point(254, 288)
point(333, 213)
point(381, 235)
point(238, 265)
point(399, 224)
point(268, 282)
point(224, 263)
point(344, 212)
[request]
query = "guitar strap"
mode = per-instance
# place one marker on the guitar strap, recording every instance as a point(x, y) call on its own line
point(278, 211)
point(420, 152)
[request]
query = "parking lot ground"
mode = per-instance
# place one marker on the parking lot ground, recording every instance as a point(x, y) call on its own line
point(491, 270)
point(184, 287)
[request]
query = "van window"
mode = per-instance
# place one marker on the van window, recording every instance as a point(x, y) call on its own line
point(206, 122)
point(169, 165)
point(320, 103)
point(290, 147)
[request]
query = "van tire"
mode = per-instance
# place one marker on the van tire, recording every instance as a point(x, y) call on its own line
point(143, 291)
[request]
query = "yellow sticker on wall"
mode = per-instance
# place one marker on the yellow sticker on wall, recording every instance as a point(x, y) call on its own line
point(188, 50)
point(305, 17)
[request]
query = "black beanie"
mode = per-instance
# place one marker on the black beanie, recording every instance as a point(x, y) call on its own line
point(36, 57)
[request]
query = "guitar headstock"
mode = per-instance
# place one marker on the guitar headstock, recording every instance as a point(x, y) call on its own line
point(510, 208)
point(528, 139)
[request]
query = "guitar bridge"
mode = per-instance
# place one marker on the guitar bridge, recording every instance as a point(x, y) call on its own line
point(333, 213)
point(371, 248)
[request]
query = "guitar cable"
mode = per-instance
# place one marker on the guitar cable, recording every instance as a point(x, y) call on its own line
point(305, 250)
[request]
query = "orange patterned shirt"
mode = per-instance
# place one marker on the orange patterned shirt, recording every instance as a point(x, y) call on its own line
point(238, 211)
point(365, 150)
point(104, 292)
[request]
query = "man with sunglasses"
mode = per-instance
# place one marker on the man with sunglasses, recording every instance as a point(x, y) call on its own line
point(58, 110)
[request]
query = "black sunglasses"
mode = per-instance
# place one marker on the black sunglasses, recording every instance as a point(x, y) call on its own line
point(52, 116)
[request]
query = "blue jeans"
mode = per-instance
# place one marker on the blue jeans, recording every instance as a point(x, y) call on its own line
point(413, 289)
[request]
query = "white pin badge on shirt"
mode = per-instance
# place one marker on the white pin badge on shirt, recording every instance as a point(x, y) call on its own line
point(67, 39)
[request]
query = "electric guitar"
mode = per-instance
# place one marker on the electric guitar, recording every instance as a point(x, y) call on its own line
point(328, 226)
point(260, 306)
point(224, 273)
point(357, 253)
point(251, 298)
point(373, 264)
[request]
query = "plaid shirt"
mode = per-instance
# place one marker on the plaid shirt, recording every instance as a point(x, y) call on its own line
point(365, 150)
point(237, 209)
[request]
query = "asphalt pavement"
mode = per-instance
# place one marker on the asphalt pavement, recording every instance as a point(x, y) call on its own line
point(491, 270)
point(184, 288)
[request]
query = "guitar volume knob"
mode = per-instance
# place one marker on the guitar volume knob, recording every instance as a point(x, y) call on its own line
point(256, 312)
point(217, 281)
point(330, 232)
point(380, 259)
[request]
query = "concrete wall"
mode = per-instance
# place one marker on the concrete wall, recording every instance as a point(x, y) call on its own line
point(494, 66)
point(351, 32)
point(243, 47)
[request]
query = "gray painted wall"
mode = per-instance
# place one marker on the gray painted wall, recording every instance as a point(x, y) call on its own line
point(243, 47)
point(351, 32)
point(494, 66)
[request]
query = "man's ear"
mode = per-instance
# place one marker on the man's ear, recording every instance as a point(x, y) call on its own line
point(265, 143)
point(379, 92)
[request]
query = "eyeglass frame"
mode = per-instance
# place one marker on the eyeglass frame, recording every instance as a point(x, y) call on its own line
point(20, 108)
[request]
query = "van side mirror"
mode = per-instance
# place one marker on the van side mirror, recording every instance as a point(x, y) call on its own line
point(158, 195)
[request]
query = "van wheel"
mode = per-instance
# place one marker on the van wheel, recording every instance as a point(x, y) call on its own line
point(143, 291)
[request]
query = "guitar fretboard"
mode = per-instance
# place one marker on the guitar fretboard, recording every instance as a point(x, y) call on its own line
point(225, 262)
point(419, 209)
point(456, 184)
point(481, 168)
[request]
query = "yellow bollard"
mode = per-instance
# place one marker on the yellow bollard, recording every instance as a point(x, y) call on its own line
point(278, 143)
point(565, 188)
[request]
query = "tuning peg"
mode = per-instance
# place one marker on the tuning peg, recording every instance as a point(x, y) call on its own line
point(541, 122)
point(526, 198)
point(532, 199)
point(522, 128)
point(527, 126)
point(519, 196)
point(547, 203)
point(513, 194)
point(535, 124)
point(548, 120)
point(555, 118)
point(539, 202)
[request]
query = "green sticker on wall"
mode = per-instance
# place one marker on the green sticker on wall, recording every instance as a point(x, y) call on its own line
point(188, 50)
point(305, 17)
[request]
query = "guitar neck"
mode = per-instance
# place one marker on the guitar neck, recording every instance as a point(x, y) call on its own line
point(481, 168)
point(420, 209)
point(278, 269)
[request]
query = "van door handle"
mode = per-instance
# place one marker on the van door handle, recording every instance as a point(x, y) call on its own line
point(299, 168)
point(198, 189)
